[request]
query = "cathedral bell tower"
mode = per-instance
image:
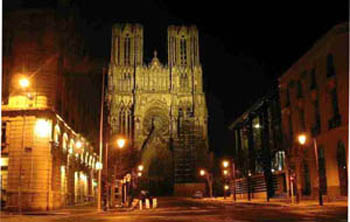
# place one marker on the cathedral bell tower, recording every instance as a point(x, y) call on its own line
point(126, 56)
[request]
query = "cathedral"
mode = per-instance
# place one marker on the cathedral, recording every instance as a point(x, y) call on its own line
point(160, 108)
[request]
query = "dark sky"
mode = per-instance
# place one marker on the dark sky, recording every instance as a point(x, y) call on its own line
point(244, 45)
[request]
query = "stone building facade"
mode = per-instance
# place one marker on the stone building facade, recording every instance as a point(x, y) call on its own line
point(49, 128)
point(161, 108)
point(315, 100)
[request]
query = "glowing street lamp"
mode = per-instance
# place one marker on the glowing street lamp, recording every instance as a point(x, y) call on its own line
point(24, 82)
point(302, 140)
point(225, 163)
point(225, 172)
point(139, 174)
point(140, 167)
point(121, 142)
point(78, 144)
point(226, 187)
point(209, 178)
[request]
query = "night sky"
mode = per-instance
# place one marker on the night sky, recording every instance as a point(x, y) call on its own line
point(244, 46)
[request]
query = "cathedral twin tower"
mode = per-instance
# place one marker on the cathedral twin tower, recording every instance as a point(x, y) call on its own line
point(160, 108)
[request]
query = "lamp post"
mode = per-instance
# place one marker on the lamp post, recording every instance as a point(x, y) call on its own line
point(101, 142)
point(120, 144)
point(209, 178)
point(302, 140)
point(225, 164)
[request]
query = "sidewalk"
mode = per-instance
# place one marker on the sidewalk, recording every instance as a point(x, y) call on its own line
point(273, 202)
point(89, 208)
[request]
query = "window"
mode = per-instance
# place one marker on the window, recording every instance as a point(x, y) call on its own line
point(330, 66)
point(183, 54)
point(3, 134)
point(57, 134)
point(335, 121)
point(335, 102)
point(302, 119)
point(287, 97)
point(65, 142)
point(313, 84)
point(127, 50)
point(299, 89)
point(71, 146)
point(316, 129)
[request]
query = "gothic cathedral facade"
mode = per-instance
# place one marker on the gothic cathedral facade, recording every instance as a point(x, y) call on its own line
point(160, 108)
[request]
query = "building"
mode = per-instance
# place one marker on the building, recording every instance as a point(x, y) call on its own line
point(49, 124)
point(314, 100)
point(258, 150)
point(160, 108)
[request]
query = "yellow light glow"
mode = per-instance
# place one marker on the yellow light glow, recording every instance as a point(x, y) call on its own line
point(225, 172)
point(225, 163)
point(121, 142)
point(78, 144)
point(98, 166)
point(202, 172)
point(4, 161)
point(140, 167)
point(24, 82)
point(42, 128)
point(302, 139)
point(226, 187)
point(139, 174)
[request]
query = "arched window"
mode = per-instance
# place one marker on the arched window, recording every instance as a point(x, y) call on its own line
point(183, 55)
point(57, 134)
point(65, 142)
point(86, 158)
point(342, 169)
point(127, 50)
point(330, 65)
point(71, 146)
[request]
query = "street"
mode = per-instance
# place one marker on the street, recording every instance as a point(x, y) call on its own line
point(185, 209)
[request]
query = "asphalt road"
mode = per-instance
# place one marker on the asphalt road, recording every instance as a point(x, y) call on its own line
point(177, 209)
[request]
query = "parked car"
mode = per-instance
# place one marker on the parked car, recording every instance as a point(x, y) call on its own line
point(197, 195)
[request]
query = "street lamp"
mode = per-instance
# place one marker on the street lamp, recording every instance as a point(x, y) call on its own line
point(121, 142)
point(226, 188)
point(209, 178)
point(24, 82)
point(78, 144)
point(302, 140)
point(225, 163)
point(101, 141)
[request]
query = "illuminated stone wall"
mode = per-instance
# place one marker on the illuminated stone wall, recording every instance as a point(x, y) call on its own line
point(47, 166)
point(314, 99)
